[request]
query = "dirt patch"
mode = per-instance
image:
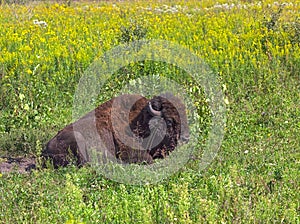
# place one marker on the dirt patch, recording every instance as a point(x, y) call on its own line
point(20, 165)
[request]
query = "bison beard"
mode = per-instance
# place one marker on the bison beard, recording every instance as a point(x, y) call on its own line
point(144, 116)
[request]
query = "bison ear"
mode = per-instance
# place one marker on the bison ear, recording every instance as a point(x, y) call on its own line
point(152, 111)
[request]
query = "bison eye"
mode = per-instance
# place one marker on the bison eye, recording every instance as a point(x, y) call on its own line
point(169, 122)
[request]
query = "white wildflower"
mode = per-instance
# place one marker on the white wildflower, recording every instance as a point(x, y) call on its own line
point(40, 23)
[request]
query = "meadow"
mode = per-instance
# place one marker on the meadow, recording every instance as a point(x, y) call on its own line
point(253, 47)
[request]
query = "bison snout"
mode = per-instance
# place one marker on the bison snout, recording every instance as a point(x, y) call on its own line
point(185, 138)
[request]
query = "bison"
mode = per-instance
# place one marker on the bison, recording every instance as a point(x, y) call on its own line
point(129, 128)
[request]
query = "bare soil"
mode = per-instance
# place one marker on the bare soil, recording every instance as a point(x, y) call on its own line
point(20, 164)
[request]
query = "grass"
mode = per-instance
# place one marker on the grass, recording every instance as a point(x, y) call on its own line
point(254, 51)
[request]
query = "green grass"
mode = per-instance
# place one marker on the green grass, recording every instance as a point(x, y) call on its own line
point(255, 52)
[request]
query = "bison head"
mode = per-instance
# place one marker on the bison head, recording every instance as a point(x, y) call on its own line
point(162, 123)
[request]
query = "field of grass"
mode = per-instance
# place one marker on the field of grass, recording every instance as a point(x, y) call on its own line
point(254, 49)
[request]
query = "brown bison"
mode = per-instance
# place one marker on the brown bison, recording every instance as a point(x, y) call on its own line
point(129, 128)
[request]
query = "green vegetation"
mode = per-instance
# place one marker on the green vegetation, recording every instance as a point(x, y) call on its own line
point(254, 47)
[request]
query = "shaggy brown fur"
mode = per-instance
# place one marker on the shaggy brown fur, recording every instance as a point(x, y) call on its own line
point(124, 128)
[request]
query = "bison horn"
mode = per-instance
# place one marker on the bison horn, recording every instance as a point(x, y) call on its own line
point(154, 112)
